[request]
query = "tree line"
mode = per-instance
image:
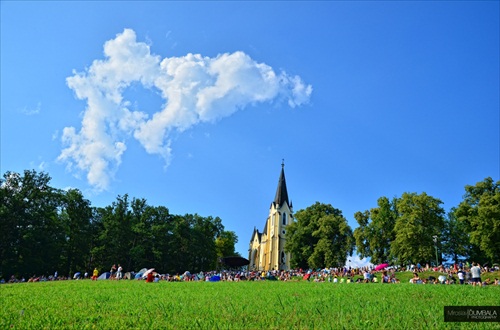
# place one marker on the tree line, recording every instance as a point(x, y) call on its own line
point(44, 229)
point(413, 228)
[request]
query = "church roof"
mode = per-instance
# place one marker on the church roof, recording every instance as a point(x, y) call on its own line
point(281, 192)
point(256, 233)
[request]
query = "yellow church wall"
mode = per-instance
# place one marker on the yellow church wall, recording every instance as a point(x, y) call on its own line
point(266, 251)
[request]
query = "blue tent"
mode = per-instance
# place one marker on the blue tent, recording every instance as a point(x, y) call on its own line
point(215, 278)
point(140, 273)
point(104, 276)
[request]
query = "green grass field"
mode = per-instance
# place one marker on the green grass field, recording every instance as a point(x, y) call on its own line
point(236, 305)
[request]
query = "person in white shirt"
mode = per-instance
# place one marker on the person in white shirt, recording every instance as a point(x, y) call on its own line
point(461, 276)
point(476, 274)
point(119, 272)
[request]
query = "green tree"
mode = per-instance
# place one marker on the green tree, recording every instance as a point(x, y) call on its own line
point(180, 245)
point(455, 238)
point(46, 230)
point(75, 218)
point(202, 248)
point(31, 230)
point(320, 237)
point(11, 215)
point(376, 231)
point(153, 238)
point(115, 237)
point(225, 244)
point(141, 236)
point(480, 214)
point(335, 242)
point(420, 217)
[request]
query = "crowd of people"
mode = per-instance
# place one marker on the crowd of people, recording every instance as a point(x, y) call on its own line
point(468, 274)
point(460, 273)
point(44, 278)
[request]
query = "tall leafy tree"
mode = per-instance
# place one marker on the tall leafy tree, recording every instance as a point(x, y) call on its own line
point(139, 236)
point(376, 231)
point(335, 242)
point(180, 248)
point(115, 234)
point(30, 226)
point(200, 243)
point(300, 241)
point(456, 239)
point(225, 243)
point(320, 237)
point(480, 213)
point(206, 230)
point(361, 234)
point(11, 215)
point(76, 219)
point(420, 217)
point(149, 245)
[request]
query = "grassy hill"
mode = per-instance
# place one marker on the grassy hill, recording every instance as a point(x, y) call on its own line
point(236, 305)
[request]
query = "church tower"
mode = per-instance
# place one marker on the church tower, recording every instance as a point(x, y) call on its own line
point(267, 249)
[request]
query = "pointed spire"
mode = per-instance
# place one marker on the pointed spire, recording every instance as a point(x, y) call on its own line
point(281, 192)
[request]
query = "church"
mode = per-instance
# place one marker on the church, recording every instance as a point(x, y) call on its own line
point(267, 248)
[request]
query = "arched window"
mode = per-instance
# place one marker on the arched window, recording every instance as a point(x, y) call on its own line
point(283, 258)
point(284, 219)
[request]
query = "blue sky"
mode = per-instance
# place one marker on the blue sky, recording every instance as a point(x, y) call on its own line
point(193, 105)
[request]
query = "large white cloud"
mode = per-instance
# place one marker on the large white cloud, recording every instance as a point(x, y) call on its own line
point(195, 89)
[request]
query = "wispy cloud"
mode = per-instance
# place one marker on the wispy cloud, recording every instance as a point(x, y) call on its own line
point(30, 111)
point(40, 165)
point(195, 89)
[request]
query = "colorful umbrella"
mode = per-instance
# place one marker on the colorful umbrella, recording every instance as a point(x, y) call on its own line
point(381, 266)
point(147, 272)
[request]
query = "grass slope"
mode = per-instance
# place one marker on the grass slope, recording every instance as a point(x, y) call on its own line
point(231, 305)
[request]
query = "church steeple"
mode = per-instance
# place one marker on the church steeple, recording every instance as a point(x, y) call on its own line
point(281, 192)
point(267, 249)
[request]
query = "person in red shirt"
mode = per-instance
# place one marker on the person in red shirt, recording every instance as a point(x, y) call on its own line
point(149, 278)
